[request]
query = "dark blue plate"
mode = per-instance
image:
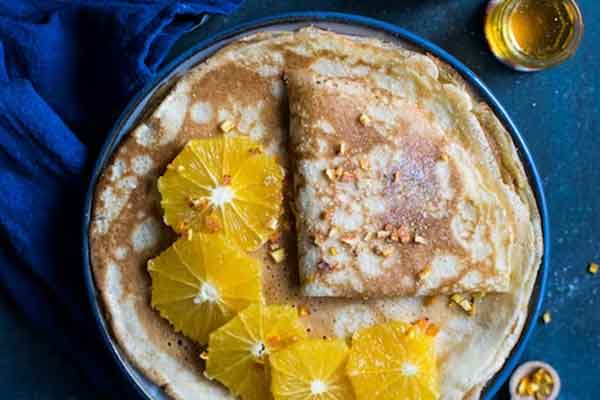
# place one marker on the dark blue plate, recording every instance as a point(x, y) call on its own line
point(342, 23)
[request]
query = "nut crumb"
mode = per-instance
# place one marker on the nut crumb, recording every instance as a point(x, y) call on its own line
point(593, 268)
point(278, 255)
point(330, 174)
point(341, 148)
point(420, 239)
point(464, 303)
point(547, 317)
point(213, 223)
point(364, 119)
point(424, 273)
point(403, 234)
point(226, 126)
point(397, 176)
point(347, 177)
point(364, 164)
point(303, 311)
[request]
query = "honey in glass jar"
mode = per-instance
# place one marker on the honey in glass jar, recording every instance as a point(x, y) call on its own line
point(530, 35)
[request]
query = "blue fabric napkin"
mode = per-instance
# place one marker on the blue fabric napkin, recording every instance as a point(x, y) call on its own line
point(67, 69)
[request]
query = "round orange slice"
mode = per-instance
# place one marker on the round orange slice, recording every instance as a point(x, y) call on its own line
point(393, 361)
point(238, 352)
point(200, 284)
point(312, 369)
point(223, 185)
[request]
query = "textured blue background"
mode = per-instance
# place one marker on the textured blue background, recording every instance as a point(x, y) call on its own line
point(558, 113)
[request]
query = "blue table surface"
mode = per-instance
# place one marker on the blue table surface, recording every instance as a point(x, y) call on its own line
point(558, 113)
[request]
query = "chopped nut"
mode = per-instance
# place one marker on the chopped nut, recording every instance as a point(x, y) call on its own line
point(383, 234)
point(424, 273)
point(226, 126)
point(323, 266)
point(226, 180)
point(397, 176)
point(428, 300)
point(532, 388)
point(333, 251)
point(274, 246)
point(332, 232)
point(383, 251)
point(369, 236)
point(190, 234)
point(538, 384)
point(278, 255)
point(273, 223)
point(182, 227)
point(422, 323)
point(197, 203)
point(341, 148)
point(420, 239)
point(432, 330)
point(364, 164)
point(593, 268)
point(338, 172)
point(522, 387)
point(364, 119)
point(204, 355)
point(318, 239)
point(255, 150)
point(547, 317)
point(330, 174)
point(325, 215)
point(213, 223)
point(303, 311)
point(444, 157)
point(273, 341)
point(348, 239)
point(347, 177)
point(403, 233)
point(463, 302)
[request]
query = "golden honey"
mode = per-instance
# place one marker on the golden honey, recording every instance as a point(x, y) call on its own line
point(530, 35)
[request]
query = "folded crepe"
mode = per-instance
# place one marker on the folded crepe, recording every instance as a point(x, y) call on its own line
point(389, 201)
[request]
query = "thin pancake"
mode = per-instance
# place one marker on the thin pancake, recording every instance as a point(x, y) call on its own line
point(391, 199)
point(243, 82)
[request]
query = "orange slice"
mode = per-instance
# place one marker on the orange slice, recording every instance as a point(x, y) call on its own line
point(311, 369)
point(200, 284)
point(223, 184)
point(393, 361)
point(238, 351)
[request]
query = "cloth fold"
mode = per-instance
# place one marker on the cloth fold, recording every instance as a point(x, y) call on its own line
point(67, 69)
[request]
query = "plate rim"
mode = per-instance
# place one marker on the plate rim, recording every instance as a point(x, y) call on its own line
point(116, 134)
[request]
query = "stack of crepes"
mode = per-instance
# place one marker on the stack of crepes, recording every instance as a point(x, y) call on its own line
point(407, 194)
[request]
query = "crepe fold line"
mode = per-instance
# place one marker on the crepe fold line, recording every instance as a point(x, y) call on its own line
point(243, 83)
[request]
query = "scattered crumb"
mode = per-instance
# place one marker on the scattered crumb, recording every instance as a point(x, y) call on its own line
point(547, 317)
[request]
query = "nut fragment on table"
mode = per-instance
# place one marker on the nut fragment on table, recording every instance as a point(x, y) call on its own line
point(593, 268)
point(547, 317)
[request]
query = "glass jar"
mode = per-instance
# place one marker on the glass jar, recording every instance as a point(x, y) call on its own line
point(530, 35)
